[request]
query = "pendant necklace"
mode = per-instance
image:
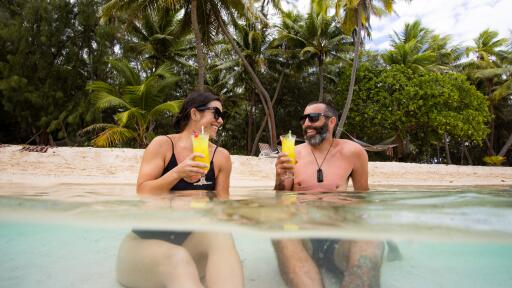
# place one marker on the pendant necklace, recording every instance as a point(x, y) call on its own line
point(319, 172)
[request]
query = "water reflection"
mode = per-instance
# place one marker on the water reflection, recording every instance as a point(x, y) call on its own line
point(447, 238)
point(156, 258)
point(303, 262)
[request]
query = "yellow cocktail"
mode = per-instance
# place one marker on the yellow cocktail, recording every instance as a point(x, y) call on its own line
point(200, 145)
point(288, 146)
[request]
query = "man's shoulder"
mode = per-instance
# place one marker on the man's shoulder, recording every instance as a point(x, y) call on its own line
point(349, 147)
point(301, 146)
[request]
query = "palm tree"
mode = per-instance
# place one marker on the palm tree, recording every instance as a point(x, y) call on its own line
point(315, 38)
point(132, 9)
point(489, 69)
point(158, 37)
point(262, 93)
point(356, 18)
point(419, 48)
point(213, 17)
point(137, 103)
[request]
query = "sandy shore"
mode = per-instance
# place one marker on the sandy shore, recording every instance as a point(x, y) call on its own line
point(56, 257)
point(120, 166)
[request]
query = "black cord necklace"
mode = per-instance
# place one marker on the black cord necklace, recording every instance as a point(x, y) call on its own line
point(319, 172)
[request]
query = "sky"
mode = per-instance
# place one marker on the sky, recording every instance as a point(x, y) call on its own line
point(462, 19)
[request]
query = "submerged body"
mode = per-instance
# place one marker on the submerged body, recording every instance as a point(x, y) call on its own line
point(325, 164)
point(170, 166)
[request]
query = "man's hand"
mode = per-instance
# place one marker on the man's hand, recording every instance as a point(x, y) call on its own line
point(284, 173)
point(284, 166)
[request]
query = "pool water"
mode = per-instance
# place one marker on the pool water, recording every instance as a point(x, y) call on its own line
point(69, 236)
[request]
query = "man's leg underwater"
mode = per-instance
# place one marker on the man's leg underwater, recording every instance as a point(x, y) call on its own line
point(295, 264)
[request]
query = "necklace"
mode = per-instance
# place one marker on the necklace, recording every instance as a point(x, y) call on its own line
point(319, 172)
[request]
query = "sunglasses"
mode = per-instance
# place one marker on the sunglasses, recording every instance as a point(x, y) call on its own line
point(217, 113)
point(312, 117)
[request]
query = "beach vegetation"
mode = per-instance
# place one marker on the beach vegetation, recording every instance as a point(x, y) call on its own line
point(102, 68)
point(494, 160)
point(137, 104)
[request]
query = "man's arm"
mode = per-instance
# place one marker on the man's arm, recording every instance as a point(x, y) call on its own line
point(359, 173)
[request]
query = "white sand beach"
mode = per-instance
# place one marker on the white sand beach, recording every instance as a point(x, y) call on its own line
point(65, 165)
point(117, 169)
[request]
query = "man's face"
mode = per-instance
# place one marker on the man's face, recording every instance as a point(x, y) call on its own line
point(315, 133)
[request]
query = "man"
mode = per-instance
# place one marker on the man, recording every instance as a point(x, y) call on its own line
point(325, 164)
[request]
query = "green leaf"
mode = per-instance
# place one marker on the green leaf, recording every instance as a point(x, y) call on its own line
point(166, 109)
point(113, 136)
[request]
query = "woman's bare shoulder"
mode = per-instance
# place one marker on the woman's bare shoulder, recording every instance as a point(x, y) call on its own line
point(222, 152)
point(159, 143)
point(222, 158)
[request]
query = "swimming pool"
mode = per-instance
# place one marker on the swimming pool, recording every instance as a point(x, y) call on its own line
point(69, 235)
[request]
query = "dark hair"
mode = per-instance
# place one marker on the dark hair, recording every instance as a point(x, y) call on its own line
point(328, 108)
point(194, 100)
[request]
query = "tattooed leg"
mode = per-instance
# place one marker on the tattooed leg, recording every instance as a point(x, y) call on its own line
point(364, 263)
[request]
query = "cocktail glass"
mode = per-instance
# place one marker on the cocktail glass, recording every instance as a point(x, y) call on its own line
point(288, 147)
point(200, 145)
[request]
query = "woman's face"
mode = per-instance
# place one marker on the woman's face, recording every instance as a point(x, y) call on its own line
point(210, 118)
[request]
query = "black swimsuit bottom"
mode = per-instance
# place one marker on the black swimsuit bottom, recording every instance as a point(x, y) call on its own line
point(178, 237)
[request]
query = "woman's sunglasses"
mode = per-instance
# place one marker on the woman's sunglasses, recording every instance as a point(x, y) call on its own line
point(217, 113)
point(312, 117)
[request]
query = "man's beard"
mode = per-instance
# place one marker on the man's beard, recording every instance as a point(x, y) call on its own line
point(320, 135)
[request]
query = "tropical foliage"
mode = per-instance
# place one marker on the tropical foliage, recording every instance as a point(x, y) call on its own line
point(113, 73)
point(138, 105)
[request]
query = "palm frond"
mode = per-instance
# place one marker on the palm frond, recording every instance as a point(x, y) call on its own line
point(123, 68)
point(134, 115)
point(103, 100)
point(100, 86)
point(95, 128)
point(503, 90)
point(311, 50)
point(113, 136)
point(166, 109)
point(491, 73)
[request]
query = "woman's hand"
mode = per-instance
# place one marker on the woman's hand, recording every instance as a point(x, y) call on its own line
point(191, 170)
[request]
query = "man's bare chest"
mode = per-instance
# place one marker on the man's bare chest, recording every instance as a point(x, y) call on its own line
point(331, 175)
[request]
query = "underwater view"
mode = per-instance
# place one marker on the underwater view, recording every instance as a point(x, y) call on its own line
point(78, 236)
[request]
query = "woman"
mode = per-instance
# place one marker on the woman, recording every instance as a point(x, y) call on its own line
point(181, 259)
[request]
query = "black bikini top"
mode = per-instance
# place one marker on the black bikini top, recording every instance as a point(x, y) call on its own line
point(182, 185)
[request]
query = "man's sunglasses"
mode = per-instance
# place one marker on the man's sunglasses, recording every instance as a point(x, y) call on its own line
point(312, 117)
point(217, 113)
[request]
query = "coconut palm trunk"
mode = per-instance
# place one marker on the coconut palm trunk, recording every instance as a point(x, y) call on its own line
point(199, 47)
point(491, 108)
point(321, 78)
point(265, 119)
point(265, 98)
point(505, 148)
point(250, 121)
point(355, 63)
point(447, 149)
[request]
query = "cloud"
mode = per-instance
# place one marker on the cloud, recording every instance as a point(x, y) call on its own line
point(462, 19)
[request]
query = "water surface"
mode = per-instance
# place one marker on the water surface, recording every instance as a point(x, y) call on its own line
point(68, 235)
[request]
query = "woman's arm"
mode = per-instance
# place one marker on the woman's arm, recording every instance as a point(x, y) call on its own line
point(223, 161)
point(149, 181)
